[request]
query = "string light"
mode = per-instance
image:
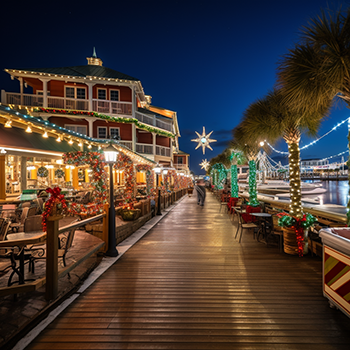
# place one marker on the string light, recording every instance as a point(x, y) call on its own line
point(45, 135)
point(29, 129)
point(70, 142)
point(8, 124)
point(58, 139)
point(336, 155)
point(315, 141)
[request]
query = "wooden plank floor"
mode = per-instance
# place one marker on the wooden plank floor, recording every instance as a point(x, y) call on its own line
point(188, 284)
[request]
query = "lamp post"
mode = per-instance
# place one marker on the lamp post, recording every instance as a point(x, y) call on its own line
point(157, 170)
point(110, 154)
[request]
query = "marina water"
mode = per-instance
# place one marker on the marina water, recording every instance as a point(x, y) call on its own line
point(337, 192)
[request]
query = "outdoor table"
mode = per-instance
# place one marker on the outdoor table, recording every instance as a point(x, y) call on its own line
point(21, 240)
point(263, 217)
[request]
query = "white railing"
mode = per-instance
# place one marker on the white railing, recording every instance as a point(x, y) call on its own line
point(163, 125)
point(144, 148)
point(100, 106)
point(180, 166)
point(162, 151)
point(126, 144)
point(67, 103)
point(112, 107)
point(144, 118)
point(24, 100)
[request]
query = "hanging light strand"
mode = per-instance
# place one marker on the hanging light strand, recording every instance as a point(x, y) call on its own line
point(315, 141)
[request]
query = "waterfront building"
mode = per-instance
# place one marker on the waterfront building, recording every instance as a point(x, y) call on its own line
point(91, 101)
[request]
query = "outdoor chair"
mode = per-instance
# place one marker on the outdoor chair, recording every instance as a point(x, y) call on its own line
point(275, 231)
point(19, 226)
point(4, 228)
point(65, 242)
point(242, 224)
point(33, 223)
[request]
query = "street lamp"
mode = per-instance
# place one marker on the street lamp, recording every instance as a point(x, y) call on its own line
point(157, 170)
point(110, 154)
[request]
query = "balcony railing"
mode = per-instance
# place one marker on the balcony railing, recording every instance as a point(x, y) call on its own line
point(153, 121)
point(112, 107)
point(100, 106)
point(144, 148)
point(162, 151)
point(180, 166)
point(126, 144)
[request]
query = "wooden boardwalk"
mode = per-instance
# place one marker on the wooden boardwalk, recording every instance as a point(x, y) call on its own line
point(188, 284)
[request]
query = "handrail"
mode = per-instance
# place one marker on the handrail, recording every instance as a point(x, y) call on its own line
point(341, 218)
point(81, 223)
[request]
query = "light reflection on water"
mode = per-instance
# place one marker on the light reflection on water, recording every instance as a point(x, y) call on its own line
point(337, 192)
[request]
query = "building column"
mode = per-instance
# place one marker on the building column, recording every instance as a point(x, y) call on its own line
point(23, 173)
point(45, 81)
point(154, 138)
point(21, 89)
point(90, 95)
point(171, 152)
point(91, 126)
point(133, 137)
point(133, 101)
point(75, 181)
point(2, 177)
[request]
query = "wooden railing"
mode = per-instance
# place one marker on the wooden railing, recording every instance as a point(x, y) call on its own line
point(163, 151)
point(144, 148)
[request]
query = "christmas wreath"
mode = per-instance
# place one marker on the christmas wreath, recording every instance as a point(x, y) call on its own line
point(59, 173)
point(43, 172)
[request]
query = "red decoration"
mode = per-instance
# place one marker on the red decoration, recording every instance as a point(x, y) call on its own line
point(56, 201)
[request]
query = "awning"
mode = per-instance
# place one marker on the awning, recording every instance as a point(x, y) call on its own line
point(17, 142)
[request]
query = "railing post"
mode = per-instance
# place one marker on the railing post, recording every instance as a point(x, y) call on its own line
point(52, 257)
point(105, 222)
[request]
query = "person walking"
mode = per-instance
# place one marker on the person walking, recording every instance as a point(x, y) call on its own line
point(201, 192)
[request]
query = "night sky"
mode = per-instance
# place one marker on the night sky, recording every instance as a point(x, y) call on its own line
point(206, 60)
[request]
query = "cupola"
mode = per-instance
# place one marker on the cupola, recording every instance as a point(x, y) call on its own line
point(94, 60)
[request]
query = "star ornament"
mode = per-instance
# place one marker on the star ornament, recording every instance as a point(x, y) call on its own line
point(203, 140)
point(205, 165)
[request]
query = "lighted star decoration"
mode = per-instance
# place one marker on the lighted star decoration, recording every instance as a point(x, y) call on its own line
point(205, 165)
point(203, 140)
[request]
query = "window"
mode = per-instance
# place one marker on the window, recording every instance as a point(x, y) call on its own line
point(179, 160)
point(75, 92)
point(81, 129)
point(102, 94)
point(114, 133)
point(102, 132)
point(81, 92)
point(41, 92)
point(114, 95)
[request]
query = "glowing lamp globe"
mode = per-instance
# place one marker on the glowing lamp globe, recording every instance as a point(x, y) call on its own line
point(110, 154)
point(157, 169)
point(165, 171)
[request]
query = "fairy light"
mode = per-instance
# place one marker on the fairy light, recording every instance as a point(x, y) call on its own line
point(29, 130)
point(45, 135)
point(8, 124)
point(315, 141)
point(336, 155)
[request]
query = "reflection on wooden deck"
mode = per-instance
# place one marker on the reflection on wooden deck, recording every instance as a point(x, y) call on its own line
point(188, 284)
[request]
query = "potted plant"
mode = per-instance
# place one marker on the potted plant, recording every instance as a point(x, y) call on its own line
point(295, 232)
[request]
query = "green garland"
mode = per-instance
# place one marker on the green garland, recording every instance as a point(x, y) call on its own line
point(253, 200)
point(234, 181)
point(43, 172)
point(106, 117)
point(218, 173)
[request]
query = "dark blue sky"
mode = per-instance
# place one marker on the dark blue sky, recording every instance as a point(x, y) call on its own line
point(207, 60)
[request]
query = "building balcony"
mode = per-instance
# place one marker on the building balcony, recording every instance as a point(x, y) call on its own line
point(180, 166)
point(113, 108)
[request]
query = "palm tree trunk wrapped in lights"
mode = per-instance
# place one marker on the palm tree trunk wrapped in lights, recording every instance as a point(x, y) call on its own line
point(234, 181)
point(294, 180)
point(253, 197)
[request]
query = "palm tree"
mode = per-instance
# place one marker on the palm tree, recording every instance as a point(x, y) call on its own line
point(318, 68)
point(269, 118)
point(250, 150)
point(237, 158)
